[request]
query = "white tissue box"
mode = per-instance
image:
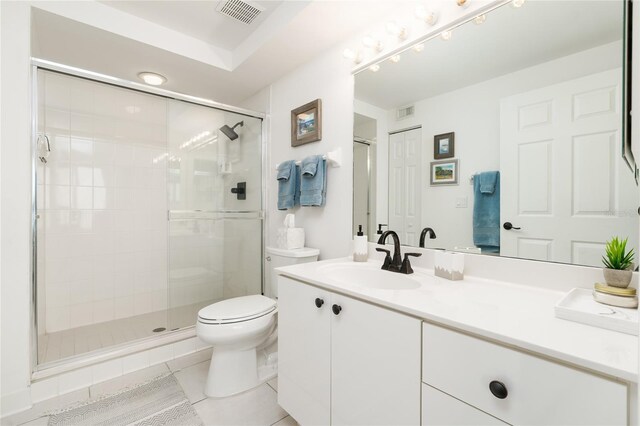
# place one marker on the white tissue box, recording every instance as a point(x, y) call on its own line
point(290, 238)
point(449, 265)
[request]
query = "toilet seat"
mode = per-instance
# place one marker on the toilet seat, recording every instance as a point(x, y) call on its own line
point(237, 309)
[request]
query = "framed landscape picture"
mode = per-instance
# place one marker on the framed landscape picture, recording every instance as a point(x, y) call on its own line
point(444, 146)
point(444, 172)
point(306, 123)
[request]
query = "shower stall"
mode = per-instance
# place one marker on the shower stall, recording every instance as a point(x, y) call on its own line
point(145, 210)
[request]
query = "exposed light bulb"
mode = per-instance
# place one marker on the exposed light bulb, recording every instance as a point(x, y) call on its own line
point(395, 59)
point(480, 19)
point(396, 30)
point(349, 54)
point(418, 47)
point(430, 17)
point(152, 78)
point(354, 56)
point(446, 35)
point(375, 67)
point(371, 42)
point(517, 3)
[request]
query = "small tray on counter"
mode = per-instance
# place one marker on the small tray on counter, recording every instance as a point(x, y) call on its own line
point(578, 305)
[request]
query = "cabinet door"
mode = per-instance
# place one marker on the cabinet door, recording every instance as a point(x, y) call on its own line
point(375, 365)
point(440, 409)
point(304, 364)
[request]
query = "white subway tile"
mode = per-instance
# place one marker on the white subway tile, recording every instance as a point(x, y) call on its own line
point(75, 380)
point(106, 370)
point(44, 389)
point(160, 354)
point(135, 362)
point(184, 347)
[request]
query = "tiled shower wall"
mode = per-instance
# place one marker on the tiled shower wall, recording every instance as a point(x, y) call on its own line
point(102, 198)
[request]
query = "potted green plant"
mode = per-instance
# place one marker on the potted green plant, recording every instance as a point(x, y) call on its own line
point(618, 263)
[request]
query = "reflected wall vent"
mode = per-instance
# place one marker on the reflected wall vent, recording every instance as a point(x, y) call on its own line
point(239, 10)
point(405, 112)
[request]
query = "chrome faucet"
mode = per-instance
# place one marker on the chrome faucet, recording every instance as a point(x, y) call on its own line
point(423, 234)
point(396, 264)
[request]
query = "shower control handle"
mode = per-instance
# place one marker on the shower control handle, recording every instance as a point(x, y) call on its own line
point(319, 302)
point(240, 190)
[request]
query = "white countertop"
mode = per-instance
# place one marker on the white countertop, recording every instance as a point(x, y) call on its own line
point(517, 315)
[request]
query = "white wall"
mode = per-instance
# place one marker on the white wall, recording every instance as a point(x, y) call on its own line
point(473, 113)
point(15, 216)
point(328, 78)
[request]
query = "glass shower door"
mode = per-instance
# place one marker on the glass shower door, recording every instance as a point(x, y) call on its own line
point(214, 187)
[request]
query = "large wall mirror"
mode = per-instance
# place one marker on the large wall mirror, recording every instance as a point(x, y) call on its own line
point(504, 136)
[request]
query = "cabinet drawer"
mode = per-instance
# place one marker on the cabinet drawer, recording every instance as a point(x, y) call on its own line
point(440, 409)
point(538, 391)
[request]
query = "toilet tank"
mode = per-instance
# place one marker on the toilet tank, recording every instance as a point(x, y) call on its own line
point(282, 257)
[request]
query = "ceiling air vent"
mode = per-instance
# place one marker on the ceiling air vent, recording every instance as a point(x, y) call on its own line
point(405, 112)
point(239, 10)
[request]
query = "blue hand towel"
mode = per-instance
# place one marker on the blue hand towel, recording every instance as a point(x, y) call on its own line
point(486, 211)
point(288, 185)
point(313, 185)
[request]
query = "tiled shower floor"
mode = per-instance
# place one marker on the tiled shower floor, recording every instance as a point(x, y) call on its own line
point(75, 341)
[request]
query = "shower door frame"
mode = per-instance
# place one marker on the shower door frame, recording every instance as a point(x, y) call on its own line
point(105, 354)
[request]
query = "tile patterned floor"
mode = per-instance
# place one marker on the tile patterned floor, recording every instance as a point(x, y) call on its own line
point(79, 340)
point(257, 407)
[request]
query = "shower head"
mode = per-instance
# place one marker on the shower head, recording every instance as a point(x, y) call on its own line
point(230, 131)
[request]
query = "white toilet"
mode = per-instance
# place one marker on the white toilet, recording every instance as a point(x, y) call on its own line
point(240, 327)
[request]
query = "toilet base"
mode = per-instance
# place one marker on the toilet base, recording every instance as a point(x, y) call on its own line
point(233, 372)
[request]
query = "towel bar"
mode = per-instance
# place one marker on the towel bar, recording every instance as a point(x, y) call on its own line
point(334, 158)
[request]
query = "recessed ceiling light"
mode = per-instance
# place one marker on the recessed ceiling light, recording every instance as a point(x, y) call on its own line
point(152, 78)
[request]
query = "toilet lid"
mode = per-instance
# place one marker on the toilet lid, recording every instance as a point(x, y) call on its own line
point(237, 308)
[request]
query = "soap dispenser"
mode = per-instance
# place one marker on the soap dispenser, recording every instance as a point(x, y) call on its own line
point(360, 246)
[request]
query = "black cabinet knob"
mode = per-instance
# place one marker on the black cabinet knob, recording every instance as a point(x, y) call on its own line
point(319, 302)
point(509, 226)
point(498, 389)
point(336, 309)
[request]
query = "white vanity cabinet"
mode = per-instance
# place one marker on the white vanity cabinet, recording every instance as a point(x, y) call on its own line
point(345, 362)
point(527, 390)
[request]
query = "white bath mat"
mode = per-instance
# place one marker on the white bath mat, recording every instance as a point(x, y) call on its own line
point(159, 402)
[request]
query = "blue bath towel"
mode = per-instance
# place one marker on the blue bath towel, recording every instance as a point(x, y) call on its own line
point(313, 185)
point(288, 185)
point(486, 211)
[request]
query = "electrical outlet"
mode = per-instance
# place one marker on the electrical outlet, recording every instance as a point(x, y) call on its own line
point(461, 202)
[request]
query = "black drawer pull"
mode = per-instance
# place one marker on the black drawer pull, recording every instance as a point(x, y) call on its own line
point(336, 309)
point(498, 389)
point(319, 302)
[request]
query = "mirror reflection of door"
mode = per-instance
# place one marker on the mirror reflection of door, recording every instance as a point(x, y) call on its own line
point(564, 182)
point(364, 175)
point(405, 191)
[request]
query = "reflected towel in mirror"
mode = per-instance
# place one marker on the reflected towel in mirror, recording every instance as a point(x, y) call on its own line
point(486, 212)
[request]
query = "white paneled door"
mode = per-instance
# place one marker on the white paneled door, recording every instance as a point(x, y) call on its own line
point(405, 201)
point(563, 179)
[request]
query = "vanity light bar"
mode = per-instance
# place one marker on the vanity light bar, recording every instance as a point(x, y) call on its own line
point(430, 17)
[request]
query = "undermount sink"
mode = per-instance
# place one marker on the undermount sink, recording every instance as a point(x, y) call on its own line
point(369, 276)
